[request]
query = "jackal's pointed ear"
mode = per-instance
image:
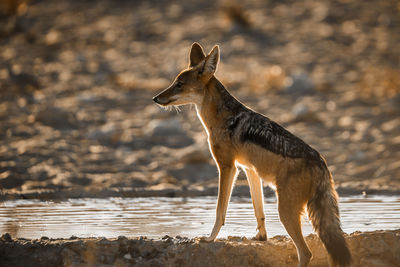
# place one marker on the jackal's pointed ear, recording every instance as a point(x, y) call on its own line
point(196, 55)
point(211, 61)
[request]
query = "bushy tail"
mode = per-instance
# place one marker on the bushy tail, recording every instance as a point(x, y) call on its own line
point(323, 212)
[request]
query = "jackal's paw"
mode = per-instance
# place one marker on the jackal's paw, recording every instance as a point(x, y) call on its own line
point(206, 239)
point(260, 237)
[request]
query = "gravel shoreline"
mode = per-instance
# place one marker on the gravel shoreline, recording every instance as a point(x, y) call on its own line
point(378, 248)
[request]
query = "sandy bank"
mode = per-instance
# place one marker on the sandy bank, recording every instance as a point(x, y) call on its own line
point(378, 248)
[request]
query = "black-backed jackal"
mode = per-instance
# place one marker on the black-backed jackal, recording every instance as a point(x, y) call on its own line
point(241, 137)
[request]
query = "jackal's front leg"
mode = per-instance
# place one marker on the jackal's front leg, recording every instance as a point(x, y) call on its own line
point(226, 177)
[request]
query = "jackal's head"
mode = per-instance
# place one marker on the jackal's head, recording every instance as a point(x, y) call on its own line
point(188, 86)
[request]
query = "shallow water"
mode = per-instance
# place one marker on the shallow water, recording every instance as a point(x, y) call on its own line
point(156, 217)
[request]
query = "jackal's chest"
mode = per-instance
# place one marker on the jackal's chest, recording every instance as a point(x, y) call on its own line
point(219, 142)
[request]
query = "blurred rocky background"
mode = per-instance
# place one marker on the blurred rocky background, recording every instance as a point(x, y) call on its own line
point(77, 78)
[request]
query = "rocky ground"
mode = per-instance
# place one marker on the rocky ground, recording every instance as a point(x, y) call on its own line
point(379, 248)
point(77, 78)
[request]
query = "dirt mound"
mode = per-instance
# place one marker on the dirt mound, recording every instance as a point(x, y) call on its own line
point(379, 248)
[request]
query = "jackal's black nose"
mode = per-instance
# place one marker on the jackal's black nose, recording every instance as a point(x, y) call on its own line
point(161, 100)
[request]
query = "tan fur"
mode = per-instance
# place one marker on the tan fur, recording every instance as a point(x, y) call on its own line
point(295, 181)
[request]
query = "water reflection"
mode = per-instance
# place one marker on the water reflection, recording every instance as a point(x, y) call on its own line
point(156, 217)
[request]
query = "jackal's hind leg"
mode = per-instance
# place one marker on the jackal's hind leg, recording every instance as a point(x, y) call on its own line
point(226, 177)
point(257, 196)
point(289, 212)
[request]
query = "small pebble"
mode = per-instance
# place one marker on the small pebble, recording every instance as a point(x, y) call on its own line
point(6, 237)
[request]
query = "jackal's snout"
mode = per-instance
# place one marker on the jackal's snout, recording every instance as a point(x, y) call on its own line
point(155, 99)
point(162, 99)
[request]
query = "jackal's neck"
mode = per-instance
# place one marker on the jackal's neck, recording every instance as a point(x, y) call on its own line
point(217, 105)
